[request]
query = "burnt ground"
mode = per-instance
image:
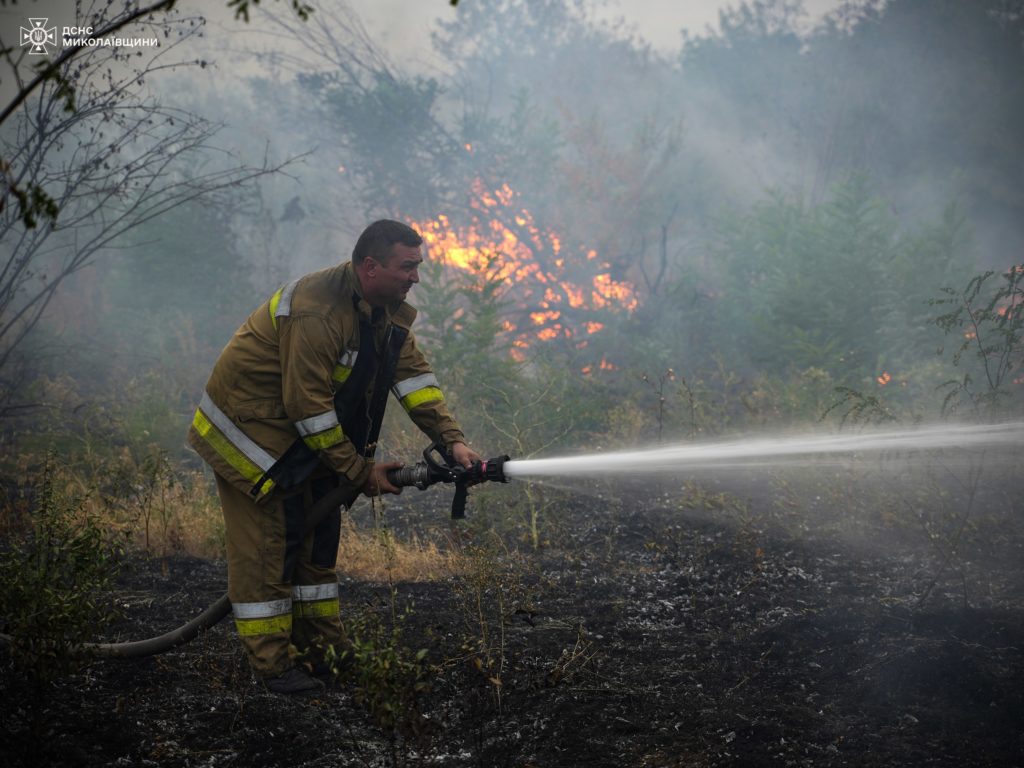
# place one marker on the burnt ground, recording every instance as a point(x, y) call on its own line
point(641, 634)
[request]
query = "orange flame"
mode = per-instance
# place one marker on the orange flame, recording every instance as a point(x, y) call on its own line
point(503, 240)
point(540, 318)
point(574, 295)
point(607, 291)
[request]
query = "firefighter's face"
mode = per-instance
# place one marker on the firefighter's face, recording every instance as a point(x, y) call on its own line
point(390, 282)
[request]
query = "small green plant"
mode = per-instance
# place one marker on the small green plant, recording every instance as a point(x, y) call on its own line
point(483, 593)
point(659, 387)
point(491, 591)
point(389, 678)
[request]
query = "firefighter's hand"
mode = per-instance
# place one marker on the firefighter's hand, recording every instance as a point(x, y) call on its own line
point(377, 483)
point(464, 455)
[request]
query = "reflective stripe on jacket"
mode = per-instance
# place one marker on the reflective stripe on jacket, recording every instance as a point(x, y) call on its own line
point(276, 381)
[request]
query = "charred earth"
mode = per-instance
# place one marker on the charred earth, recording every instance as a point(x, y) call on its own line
point(641, 634)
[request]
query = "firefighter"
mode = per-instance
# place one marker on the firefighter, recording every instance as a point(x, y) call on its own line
point(290, 412)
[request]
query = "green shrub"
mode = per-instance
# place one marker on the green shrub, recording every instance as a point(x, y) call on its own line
point(52, 584)
point(390, 679)
point(55, 570)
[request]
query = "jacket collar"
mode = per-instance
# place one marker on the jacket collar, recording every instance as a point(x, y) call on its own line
point(401, 312)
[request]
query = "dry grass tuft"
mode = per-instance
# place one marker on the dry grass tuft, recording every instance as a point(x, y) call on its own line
point(375, 555)
point(147, 505)
point(176, 514)
point(157, 508)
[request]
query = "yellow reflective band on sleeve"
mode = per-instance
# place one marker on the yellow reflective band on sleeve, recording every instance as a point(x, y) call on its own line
point(265, 626)
point(229, 452)
point(281, 302)
point(410, 385)
point(274, 301)
point(324, 439)
point(343, 368)
point(422, 396)
point(319, 423)
point(316, 609)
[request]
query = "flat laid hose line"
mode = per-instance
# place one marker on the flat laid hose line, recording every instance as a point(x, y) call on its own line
point(342, 495)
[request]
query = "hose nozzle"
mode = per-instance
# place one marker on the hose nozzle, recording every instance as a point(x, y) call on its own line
point(417, 475)
point(486, 471)
point(444, 469)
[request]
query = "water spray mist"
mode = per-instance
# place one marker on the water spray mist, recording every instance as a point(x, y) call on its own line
point(773, 451)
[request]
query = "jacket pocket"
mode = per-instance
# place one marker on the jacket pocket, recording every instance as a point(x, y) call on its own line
point(260, 410)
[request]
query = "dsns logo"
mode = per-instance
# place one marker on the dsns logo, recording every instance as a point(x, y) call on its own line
point(39, 36)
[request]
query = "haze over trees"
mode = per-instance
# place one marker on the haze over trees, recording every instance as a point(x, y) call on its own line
point(767, 212)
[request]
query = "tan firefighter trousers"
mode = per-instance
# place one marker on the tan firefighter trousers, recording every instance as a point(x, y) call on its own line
point(283, 592)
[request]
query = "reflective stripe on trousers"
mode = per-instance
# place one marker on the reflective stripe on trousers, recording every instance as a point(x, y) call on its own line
point(263, 618)
point(315, 600)
point(308, 601)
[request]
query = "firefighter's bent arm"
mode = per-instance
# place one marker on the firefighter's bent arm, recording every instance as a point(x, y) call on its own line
point(418, 391)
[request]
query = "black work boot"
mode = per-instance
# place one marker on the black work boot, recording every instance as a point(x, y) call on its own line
point(331, 678)
point(293, 682)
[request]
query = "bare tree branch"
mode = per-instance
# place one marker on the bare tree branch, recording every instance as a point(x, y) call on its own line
point(53, 68)
point(116, 162)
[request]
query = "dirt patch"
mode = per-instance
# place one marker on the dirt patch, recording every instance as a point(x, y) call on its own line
point(639, 639)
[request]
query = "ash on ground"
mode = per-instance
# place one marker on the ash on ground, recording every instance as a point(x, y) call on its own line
point(640, 634)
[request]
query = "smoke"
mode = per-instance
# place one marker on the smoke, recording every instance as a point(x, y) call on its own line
point(635, 153)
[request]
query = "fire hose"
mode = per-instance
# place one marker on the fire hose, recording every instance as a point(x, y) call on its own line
point(421, 475)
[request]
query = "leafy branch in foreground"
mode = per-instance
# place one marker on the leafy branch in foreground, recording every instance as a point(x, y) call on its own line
point(989, 319)
point(859, 408)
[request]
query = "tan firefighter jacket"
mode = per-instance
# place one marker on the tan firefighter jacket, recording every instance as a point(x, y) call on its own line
point(276, 380)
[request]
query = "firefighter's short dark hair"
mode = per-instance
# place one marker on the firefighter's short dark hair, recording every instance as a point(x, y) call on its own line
point(377, 239)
